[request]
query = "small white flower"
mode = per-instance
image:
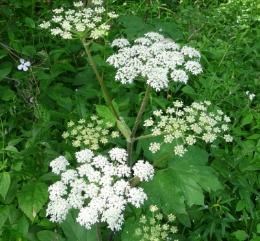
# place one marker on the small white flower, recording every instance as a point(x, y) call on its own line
point(120, 43)
point(194, 67)
point(228, 138)
point(84, 156)
point(112, 15)
point(59, 165)
point(143, 170)
point(115, 134)
point(118, 154)
point(250, 96)
point(148, 122)
point(24, 65)
point(209, 137)
point(190, 52)
point(45, 25)
point(78, 4)
point(180, 75)
point(153, 208)
point(154, 147)
point(136, 196)
point(178, 104)
point(57, 210)
point(179, 150)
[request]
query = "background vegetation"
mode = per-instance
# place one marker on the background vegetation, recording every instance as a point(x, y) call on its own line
point(218, 201)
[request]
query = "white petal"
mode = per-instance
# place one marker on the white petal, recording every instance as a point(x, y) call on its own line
point(27, 63)
point(25, 68)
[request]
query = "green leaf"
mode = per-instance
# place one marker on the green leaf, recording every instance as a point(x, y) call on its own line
point(73, 231)
point(128, 231)
point(29, 22)
point(247, 119)
point(32, 198)
point(22, 225)
point(5, 69)
point(240, 235)
point(182, 182)
point(5, 181)
point(4, 212)
point(104, 112)
point(160, 158)
point(2, 54)
point(255, 239)
point(258, 228)
point(169, 28)
point(189, 91)
point(46, 235)
point(134, 25)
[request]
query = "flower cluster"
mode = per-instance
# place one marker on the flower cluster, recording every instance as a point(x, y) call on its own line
point(187, 125)
point(156, 59)
point(156, 226)
point(80, 21)
point(250, 95)
point(90, 134)
point(99, 188)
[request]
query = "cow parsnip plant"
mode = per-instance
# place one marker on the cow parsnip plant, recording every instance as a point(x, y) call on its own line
point(114, 128)
point(95, 188)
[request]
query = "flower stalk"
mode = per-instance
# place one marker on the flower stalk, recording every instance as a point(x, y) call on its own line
point(98, 232)
point(100, 79)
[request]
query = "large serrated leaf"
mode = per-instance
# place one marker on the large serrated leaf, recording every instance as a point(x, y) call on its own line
point(74, 232)
point(128, 231)
point(183, 182)
point(32, 198)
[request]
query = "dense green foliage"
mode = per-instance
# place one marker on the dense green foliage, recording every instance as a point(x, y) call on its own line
point(213, 192)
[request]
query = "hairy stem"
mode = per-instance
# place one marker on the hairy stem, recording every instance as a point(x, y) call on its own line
point(100, 80)
point(141, 110)
point(138, 119)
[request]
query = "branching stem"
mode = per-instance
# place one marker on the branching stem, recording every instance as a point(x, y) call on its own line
point(138, 119)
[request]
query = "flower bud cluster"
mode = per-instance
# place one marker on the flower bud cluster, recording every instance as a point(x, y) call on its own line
point(155, 58)
point(187, 125)
point(90, 134)
point(99, 188)
point(156, 226)
point(80, 21)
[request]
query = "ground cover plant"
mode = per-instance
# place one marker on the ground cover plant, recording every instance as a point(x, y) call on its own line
point(129, 120)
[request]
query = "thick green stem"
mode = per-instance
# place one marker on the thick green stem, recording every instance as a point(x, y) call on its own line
point(98, 232)
point(138, 119)
point(100, 80)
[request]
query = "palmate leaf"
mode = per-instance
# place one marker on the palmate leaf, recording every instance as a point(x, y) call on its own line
point(183, 182)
